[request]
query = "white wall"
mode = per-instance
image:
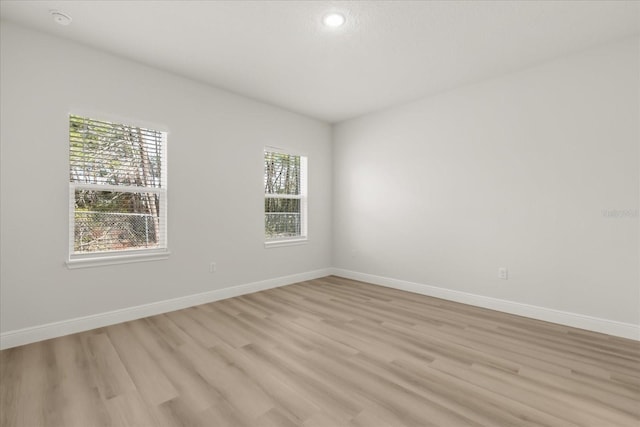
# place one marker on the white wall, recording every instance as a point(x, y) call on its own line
point(513, 172)
point(215, 148)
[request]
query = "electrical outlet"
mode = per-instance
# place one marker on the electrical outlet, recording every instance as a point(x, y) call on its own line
point(503, 273)
point(212, 267)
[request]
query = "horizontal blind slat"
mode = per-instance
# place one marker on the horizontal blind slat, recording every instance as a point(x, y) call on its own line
point(106, 153)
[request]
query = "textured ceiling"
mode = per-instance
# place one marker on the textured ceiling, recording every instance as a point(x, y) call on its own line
point(387, 53)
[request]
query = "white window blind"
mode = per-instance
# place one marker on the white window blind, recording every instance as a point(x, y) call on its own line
point(117, 188)
point(285, 199)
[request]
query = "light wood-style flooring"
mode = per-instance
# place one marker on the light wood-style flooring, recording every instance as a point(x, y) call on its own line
point(323, 353)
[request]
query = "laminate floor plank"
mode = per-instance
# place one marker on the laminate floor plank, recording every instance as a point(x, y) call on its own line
point(26, 392)
point(279, 387)
point(531, 367)
point(150, 381)
point(130, 410)
point(195, 393)
point(462, 400)
point(78, 400)
point(110, 375)
point(330, 352)
point(491, 400)
point(196, 323)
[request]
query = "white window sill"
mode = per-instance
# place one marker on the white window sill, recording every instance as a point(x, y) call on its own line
point(287, 242)
point(101, 260)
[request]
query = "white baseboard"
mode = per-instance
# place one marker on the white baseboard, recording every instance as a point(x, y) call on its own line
point(80, 324)
point(611, 327)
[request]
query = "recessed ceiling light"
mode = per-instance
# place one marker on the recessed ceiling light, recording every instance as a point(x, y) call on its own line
point(60, 17)
point(333, 20)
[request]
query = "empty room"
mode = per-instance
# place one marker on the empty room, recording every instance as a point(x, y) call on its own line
point(319, 213)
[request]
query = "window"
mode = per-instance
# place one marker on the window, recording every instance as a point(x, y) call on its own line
point(117, 192)
point(285, 197)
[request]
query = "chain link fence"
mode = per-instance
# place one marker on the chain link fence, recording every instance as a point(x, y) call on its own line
point(281, 224)
point(108, 231)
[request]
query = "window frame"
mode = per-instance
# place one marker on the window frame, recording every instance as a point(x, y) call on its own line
point(303, 196)
point(124, 256)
